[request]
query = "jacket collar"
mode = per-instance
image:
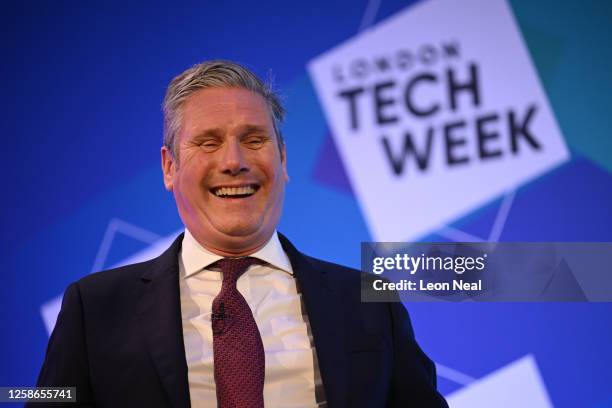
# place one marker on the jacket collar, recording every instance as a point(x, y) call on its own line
point(159, 311)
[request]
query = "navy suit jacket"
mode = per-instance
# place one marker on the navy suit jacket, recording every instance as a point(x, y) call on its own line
point(119, 339)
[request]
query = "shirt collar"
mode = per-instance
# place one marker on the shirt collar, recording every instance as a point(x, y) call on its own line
point(196, 258)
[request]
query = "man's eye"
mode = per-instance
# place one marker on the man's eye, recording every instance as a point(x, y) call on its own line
point(210, 144)
point(255, 142)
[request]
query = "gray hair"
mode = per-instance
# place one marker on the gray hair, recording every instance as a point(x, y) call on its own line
point(215, 74)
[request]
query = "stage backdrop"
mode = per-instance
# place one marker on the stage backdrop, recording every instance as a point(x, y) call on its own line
point(437, 120)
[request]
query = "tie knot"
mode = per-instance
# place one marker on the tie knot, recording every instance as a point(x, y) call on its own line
point(233, 268)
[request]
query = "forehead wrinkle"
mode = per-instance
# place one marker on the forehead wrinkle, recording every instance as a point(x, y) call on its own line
point(213, 132)
point(249, 128)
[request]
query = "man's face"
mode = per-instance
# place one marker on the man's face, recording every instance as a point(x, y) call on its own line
point(229, 180)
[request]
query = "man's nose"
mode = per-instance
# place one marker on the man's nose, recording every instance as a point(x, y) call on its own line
point(233, 161)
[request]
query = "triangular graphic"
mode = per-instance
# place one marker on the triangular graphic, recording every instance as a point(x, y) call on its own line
point(518, 384)
point(50, 309)
point(329, 169)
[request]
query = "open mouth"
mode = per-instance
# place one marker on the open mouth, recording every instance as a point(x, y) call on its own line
point(235, 192)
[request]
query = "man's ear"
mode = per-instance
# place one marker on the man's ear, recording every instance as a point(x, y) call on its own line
point(284, 163)
point(167, 162)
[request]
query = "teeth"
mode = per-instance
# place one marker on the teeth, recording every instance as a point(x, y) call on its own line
point(233, 191)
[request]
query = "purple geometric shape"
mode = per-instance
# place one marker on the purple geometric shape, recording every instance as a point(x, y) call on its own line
point(329, 169)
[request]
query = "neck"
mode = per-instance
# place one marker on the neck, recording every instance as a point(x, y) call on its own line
point(232, 248)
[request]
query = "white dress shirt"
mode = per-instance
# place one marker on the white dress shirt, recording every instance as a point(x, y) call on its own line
point(291, 375)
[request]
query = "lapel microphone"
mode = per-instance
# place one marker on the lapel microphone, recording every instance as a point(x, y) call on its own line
point(220, 320)
point(221, 314)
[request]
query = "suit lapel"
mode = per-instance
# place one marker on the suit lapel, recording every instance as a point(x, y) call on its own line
point(159, 311)
point(327, 321)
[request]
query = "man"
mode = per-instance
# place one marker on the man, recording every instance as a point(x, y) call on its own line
point(232, 315)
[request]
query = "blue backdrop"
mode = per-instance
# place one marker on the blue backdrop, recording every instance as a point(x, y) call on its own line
point(82, 86)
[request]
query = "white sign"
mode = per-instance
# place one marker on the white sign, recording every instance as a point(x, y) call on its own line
point(436, 111)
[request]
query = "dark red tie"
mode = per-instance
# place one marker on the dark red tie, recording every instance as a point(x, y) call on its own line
point(239, 354)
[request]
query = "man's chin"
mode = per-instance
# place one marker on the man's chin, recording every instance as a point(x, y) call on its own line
point(239, 242)
point(239, 233)
point(242, 235)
